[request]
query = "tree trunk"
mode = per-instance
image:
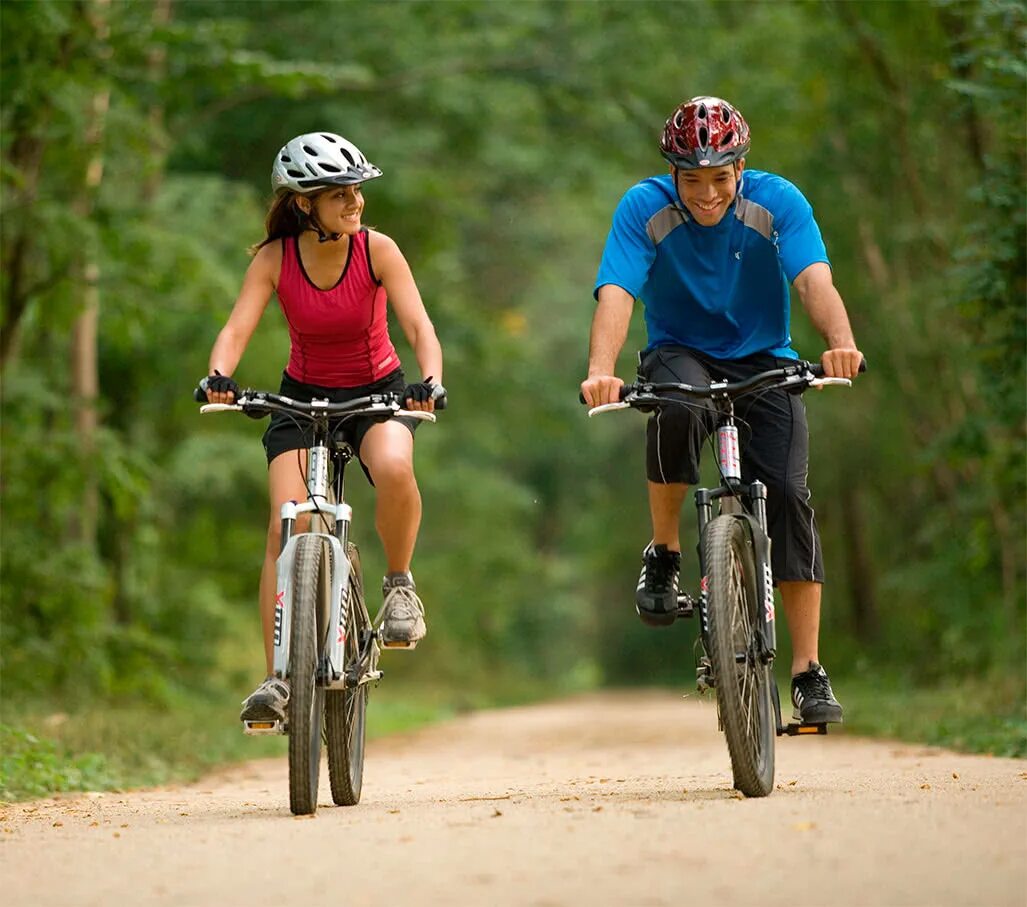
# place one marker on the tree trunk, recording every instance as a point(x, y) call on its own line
point(860, 567)
point(85, 374)
point(157, 64)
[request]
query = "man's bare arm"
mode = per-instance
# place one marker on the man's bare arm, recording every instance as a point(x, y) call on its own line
point(825, 308)
point(609, 331)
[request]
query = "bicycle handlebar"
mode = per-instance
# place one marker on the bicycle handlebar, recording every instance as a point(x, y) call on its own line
point(801, 373)
point(257, 404)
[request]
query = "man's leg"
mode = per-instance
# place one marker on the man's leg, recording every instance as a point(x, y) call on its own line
point(776, 451)
point(674, 437)
point(665, 508)
point(802, 610)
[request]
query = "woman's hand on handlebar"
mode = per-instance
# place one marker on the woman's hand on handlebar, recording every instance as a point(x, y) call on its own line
point(841, 363)
point(424, 396)
point(599, 389)
point(219, 388)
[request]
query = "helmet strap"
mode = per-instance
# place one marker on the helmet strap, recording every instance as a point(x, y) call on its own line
point(315, 224)
point(678, 204)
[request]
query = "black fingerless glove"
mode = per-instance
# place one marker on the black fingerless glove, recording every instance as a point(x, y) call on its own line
point(220, 384)
point(423, 391)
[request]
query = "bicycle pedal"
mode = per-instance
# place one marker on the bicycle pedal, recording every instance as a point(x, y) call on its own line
point(259, 728)
point(795, 729)
point(400, 645)
point(704, 681)
point(686, 605)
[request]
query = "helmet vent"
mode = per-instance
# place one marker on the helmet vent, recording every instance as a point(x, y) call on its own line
point(311, 170)
point(701, 113)
point(329, 138)
point(331, 168)
point(728, 138)
point(704, 136)
point(348, 156)
point(725, 114)
point(285, 159)
point(299, 174)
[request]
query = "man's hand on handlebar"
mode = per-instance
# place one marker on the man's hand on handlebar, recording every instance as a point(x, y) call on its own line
point(600, 389)
point(841, 363)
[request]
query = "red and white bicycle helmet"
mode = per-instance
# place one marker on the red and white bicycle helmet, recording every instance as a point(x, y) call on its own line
point(318, 159)
point(704, 132)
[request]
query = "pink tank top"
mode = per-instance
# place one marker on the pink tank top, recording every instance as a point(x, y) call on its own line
point(340, 336)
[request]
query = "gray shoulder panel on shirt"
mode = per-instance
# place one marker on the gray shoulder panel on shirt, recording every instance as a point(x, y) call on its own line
point(755, 216)
point(663, 222)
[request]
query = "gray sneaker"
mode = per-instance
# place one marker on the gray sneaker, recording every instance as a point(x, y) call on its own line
point(268, 702)
point(402, 615)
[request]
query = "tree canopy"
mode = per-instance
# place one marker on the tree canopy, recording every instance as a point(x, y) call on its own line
point(136, 144)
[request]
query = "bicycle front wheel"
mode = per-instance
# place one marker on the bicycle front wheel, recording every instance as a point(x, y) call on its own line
point(743, 681)
point(310, 602)
point(346, 709)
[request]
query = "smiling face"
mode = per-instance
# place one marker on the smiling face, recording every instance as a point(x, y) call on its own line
point(707, 194)
point(338, 209)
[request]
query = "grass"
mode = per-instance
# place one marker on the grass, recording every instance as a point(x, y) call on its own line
point(43, 752)
point(110, 747)
point(975, 716)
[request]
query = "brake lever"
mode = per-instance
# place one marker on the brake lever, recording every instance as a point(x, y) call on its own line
point(823, 382)
point(606, 408)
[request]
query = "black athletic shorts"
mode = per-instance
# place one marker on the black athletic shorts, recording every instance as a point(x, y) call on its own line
point(773, 440)
point(284, 434)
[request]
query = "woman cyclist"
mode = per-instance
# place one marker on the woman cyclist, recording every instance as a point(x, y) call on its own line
point(333, 278)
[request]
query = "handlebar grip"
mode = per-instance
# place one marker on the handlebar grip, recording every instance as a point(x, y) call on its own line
point(817, 369)
point(622, 392)
point(199, 395)
point(442, 402)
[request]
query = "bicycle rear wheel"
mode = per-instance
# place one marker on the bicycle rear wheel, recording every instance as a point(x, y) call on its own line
point(310, 603)
point(743, 681)
point(346, 709)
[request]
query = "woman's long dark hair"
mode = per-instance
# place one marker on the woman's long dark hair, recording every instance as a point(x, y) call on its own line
point(284, 218)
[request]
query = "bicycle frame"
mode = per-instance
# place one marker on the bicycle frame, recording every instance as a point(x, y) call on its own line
point(747, 502)
point(325, 501)
point(318, 504)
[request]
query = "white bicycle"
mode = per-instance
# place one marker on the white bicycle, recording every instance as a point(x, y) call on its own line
point(324, 642)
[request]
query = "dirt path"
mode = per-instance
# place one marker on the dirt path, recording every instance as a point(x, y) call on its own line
point(601, 800)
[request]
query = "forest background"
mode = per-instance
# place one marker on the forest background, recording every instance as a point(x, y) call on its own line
point(137, 139)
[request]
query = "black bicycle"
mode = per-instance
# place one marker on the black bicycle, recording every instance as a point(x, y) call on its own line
point(324, 641)
point(736, 593)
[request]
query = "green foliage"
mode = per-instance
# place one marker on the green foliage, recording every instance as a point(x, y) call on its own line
point(34, 767)
point(507, 133)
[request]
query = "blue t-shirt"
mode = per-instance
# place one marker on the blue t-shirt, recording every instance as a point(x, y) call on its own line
point(721, 290)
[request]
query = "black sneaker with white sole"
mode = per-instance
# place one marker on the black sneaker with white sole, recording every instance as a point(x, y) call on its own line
point(813, 699)
point(656, 598)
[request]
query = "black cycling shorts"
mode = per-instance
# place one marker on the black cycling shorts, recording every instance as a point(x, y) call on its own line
point(285, 434)
point(773, 441)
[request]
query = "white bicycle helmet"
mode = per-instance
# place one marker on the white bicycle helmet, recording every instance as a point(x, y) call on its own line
point(319, 159)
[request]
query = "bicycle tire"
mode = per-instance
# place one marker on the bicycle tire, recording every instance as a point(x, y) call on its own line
point(346, 709)
point(743, 681)
point(310, 601)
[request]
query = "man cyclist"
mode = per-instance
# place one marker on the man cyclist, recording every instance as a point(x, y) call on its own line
point(711, 248)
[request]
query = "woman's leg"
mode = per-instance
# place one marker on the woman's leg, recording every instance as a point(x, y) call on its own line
point(286, 482)
point(387, 450)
